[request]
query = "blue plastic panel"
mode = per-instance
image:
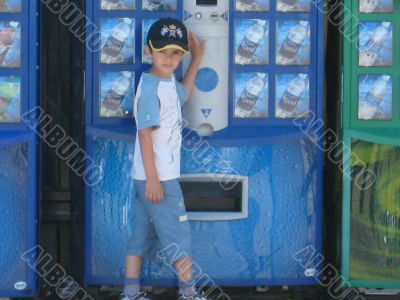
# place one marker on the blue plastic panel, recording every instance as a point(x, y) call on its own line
point(283, 203)
point(18, 210)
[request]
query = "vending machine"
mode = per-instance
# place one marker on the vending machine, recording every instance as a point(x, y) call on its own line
point(251, 153)
point(18, 146)
point(371, 144)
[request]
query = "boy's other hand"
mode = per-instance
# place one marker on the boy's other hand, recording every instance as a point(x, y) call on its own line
point(154, 190)
point(197, 47)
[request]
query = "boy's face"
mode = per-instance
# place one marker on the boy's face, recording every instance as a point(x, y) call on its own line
point(165, 61)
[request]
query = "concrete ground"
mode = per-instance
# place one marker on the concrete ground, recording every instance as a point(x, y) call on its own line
point(234, 293)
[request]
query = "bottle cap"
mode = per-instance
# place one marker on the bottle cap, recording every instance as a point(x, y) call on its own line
point(304, 23)
point(261, 75)
point(127, 20)
point(386, 24)
point(126, 74)
point(14, 24)
point(386, 77)
point(303, 76)
point(262, 22)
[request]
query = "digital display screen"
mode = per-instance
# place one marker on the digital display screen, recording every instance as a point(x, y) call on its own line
point(206, 2)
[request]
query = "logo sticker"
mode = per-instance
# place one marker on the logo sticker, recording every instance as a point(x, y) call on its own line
point(171, 31)
point(20, 285)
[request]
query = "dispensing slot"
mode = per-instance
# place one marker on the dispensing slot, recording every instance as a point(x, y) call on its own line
point(206, 198)
point(206, 2)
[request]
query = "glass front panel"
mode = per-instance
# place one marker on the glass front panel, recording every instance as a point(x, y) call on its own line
point(293, 42)
point(252, 5)
point(159, 5)
point(293, 5)
point(292, 95)
point(10, 6)
point(10, 44)
point(117, 40)
point(251, 95)
point(251, 42)
point(117, 4)
point(116, 94)
point(10, 99)
point(375, 97)
point(375, 44)
point(376, 6)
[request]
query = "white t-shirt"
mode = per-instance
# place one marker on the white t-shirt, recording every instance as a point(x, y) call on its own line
point(158, 104)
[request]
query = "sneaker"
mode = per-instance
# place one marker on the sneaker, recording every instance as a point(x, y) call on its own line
point(140, 296)
point(199, 295)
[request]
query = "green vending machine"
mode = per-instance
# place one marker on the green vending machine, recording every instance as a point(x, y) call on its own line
point(371, 144)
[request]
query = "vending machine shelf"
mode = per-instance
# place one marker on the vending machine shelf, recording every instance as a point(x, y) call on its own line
point(231, 136)
point(14, 137)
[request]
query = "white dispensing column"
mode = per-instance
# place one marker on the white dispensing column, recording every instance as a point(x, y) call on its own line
point(207, 109)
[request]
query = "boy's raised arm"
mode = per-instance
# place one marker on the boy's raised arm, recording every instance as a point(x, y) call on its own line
point(197, 49)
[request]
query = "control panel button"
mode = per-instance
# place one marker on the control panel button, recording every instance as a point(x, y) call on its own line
point(214, 17)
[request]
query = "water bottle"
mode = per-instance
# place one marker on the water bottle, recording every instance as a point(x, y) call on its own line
point(8, 36)
point(3, 5)
point(250, 42)
point(116, 94)
point(292, 96)
point(246, 5)
point(153, 5)
point(13, 111)
point(250, 95)
point(374, 45)
point(376, 94)
point(368, 6)
point(288, 51)
point(286, 5)
point(111, 4)
point(112, 48)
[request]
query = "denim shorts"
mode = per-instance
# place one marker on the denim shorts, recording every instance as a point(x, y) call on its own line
point(166, 221)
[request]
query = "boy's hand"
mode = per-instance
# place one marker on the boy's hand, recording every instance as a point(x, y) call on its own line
point(154, 190)
point(197, 48)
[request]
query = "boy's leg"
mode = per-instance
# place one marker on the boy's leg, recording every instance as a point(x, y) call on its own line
point(183, 267)
point(142, 236)
point(172, 227)
point(133, 266)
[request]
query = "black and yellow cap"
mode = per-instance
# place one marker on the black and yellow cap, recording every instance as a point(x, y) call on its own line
point(168, 33)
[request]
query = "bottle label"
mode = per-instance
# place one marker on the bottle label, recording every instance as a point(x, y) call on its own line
point(371, 99)
point(289, 49)
point(113, 47)
point(289, 101)
point(112, 100)
point(3, 52)
point(289, 2)
point(247, 2)
point(247, 100)
point(247, 48)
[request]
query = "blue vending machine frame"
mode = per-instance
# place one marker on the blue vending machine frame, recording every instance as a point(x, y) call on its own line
point(109, 141)
point(18, 138)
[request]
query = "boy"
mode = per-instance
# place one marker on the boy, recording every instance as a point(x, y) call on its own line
point(159, 207)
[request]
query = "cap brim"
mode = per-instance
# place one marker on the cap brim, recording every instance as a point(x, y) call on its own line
point(172, 44)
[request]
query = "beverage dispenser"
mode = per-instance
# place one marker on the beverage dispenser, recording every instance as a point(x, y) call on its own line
point(371, 123)
point(18, 147)
point(251, 169)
